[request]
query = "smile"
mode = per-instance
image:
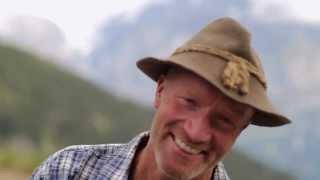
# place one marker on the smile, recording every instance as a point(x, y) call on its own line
point(186, 147)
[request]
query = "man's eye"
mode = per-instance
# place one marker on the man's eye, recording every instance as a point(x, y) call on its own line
point(225, 120)
point(188, 101)
point(225, 123)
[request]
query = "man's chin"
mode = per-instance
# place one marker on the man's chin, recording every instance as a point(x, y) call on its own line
point(176, 171)
point(176, 166)
point(177, 174)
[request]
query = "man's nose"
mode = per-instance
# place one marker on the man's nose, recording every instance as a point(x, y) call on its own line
point(198, 129)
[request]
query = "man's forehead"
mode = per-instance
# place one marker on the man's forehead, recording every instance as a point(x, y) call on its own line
point(234, 106)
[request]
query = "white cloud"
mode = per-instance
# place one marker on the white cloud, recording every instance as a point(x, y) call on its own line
point(303, 70)
point(38, 35)
point(44, 38)
point(304, 67)
point(77, 19)
point(64, 31)
point(275, 10)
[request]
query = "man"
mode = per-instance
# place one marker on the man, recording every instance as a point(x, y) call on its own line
point(208, 92)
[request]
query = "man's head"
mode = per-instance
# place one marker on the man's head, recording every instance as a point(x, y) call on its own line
point(195, 125)
point(221, 53)
point(209, 90)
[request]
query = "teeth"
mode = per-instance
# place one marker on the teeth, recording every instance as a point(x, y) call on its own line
point(185, 147)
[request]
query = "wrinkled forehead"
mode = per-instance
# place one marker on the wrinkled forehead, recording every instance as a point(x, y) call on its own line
point(176, 73)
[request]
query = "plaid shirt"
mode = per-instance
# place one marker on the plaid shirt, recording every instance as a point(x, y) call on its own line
point(97, 162)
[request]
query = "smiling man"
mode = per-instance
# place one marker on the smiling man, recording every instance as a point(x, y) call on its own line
point(195, 125)
point(208, 91)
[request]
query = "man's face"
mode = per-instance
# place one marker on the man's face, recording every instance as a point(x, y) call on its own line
point(194, 126)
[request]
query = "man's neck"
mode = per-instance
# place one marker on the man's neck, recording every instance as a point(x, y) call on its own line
point(144, 166)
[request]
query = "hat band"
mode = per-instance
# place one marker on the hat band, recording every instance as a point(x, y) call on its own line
point(231, 58)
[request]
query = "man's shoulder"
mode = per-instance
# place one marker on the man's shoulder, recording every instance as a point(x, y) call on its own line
point(76, 153)
point(87, 161)
point(70, 161)
point(96, 149)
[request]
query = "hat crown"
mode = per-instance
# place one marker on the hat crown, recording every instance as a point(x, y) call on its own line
point(228, 35)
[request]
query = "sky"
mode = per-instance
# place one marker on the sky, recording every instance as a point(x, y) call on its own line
point(78, 20)
point(303, 10)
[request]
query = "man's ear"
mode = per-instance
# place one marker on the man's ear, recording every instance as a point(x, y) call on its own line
point(250, 114)
point(245, 126)
point(159, 90)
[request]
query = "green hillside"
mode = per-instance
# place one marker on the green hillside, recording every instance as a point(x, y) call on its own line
point(44, 108)
point(241, 166)
point(43, 103)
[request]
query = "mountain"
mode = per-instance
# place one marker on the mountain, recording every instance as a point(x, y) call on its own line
point(41, 104)
point(289, 50)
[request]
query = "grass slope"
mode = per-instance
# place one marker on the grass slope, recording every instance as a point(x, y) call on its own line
point(43, 103)
point(241, 166)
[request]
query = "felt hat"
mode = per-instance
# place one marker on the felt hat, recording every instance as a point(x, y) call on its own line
point(221, 53)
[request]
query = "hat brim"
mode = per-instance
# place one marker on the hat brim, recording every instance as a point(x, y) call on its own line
point(265, 115)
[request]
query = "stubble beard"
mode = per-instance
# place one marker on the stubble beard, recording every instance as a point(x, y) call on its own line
point(167, 172)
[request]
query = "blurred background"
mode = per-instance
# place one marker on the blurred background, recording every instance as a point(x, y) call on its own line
point(68, 76)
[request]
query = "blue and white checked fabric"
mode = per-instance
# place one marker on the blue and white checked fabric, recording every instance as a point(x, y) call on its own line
point(97, 162)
